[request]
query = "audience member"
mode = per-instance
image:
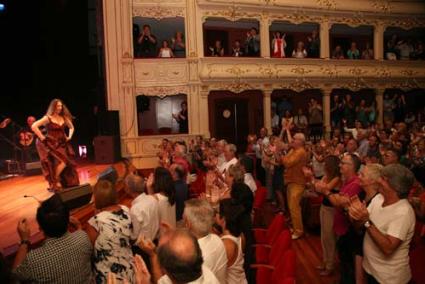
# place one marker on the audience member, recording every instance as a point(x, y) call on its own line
point(228, 219)
point(331, 183)
point(144, 208)
point(178, 259)
point(295, 182)
point(147, 43)
point(389, 221)
point(199, 217)
point(182, 191)
point(230, 158)
point(299, 51)
point(178, 45)
point(252, 43)
point(237, 49)
point(367, 53)
point(161, 185)
point(64, 257)
point(110, 232)
point(353, 52)
point(278, 45)
point(313, 45)
point(338, 53)
point(217, 49)
point(315, 119)
point(165, 51)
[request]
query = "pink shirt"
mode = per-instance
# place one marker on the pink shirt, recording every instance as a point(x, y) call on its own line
point(350, 188)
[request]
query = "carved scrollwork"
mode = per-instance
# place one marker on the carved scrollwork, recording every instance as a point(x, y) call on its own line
point(357, 71)
point(328, 4)
point(408, 72)
point(329, 70)
point(158, 12)
point(406, 23)
point(163, 92)
point(356, 85)
point(237, 86)
point(297, 17)
point(382, 6)
point(300, 71)
point(383, 72)
point(357, 19)
point(297, 85)
point(232, 13)
point(406, 85)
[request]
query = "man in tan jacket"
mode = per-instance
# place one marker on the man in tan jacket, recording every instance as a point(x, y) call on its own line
point(295, 181)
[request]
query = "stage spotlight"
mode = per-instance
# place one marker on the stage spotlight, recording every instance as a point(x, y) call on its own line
point(2, 7)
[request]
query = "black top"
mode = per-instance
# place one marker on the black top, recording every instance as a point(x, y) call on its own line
point(182, 194)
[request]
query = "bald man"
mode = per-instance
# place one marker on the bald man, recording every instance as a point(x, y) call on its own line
point(179, 259)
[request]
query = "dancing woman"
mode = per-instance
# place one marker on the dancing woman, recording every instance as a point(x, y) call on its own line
point(59, 164)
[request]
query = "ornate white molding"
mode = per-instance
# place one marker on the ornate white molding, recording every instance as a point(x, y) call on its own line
point(162, 92)
point(327, 4)
point(405, 22)
point(381, 6)
point(297, 85)
point(231, 13)
point(377, 7)
point(159, 11)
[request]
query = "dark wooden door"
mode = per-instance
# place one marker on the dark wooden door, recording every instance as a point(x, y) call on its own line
point(231, 120)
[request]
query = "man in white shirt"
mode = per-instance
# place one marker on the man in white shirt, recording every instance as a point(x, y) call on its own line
point(144, 209)
point(198, 217)
point(230, 158)
point(390, 223)
point(220, 152)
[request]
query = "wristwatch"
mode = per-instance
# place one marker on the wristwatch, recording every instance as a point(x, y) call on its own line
point(367, 224)
point(25, 242)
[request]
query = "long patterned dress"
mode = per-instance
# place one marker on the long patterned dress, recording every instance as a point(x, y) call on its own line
point(59, 150)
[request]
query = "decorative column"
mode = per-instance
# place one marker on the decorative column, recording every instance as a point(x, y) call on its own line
point(378, 41)
point(193, 109)
point(204, 123)
point(380, 106)
point(265, 37)
point(117, 18)
point(267, 110)
point(324, 39)
point(191, 23)
point(326, 103)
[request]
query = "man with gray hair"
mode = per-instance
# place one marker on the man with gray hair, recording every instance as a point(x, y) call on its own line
point(230, 158)
point(144, 208)
point(199, 217)
point(390, 223)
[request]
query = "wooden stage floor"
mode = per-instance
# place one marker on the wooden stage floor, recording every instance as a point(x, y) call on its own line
point(14, 206)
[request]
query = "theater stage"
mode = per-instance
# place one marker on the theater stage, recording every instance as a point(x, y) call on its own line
point(13, 205)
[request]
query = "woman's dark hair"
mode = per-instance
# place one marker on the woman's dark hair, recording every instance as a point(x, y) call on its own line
point(332, 166)
point(241, 194)
point(163, 182)
point(53, 217)
point(356, 162)
point(232, 213)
